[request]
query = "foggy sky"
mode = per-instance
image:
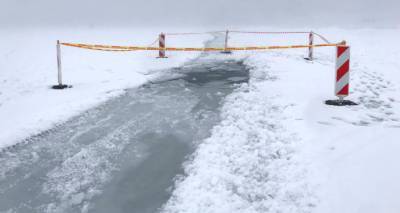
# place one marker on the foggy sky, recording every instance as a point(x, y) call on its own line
point(201, 13)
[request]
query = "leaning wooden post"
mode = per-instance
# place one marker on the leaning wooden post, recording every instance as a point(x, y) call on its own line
point(59, 69)
point(226, 51)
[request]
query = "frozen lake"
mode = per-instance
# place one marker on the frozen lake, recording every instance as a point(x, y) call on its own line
point(124, 155)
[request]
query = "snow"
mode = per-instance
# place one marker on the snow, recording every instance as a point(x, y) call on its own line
point(278, 148)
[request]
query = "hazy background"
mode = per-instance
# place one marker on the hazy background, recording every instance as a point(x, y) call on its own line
point(204, 13)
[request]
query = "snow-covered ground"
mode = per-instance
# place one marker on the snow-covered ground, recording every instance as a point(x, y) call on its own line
point(279, 148)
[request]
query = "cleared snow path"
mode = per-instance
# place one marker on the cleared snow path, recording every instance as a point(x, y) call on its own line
point(124, 155)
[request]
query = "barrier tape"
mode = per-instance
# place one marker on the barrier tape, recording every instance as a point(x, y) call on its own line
point(254, 32)
point(205, 49)
point(322, 37)
point(299, 32)
point(154, 42)
point(198, 33)
point(249, 32)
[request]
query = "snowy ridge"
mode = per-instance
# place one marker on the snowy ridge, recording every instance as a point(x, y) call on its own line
point(248, 164)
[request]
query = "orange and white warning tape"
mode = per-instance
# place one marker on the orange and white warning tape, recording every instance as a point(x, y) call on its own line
point(205, 49)
point(194, 33)
point(272, 32)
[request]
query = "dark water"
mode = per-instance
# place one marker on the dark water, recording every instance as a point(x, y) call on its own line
point(122, 156)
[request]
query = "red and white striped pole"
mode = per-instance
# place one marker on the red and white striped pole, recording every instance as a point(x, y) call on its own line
point(161, 44)
point(342, 75)
point(310, 48)
point(342, 71)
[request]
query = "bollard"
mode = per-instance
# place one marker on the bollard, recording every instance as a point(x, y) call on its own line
point(161, 44)
point(342, 76)
point(226, 43)
point(60, 85)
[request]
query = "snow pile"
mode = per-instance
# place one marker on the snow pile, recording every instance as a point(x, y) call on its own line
point(248, 165)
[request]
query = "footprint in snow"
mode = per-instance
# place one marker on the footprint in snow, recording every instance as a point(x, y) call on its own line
point(374, 106)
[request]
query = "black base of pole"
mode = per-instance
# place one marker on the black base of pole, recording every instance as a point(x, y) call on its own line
point(226, 52)
point(61, 86)
point(340, 103)
point(308, 59)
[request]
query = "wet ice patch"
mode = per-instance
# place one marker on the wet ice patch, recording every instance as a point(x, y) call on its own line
point(77, 180)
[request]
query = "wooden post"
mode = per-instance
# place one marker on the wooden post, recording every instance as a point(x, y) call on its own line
point(310, 49)
point(59, 63)
point(226, 39)
point(60, 85)
point(226, 43)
